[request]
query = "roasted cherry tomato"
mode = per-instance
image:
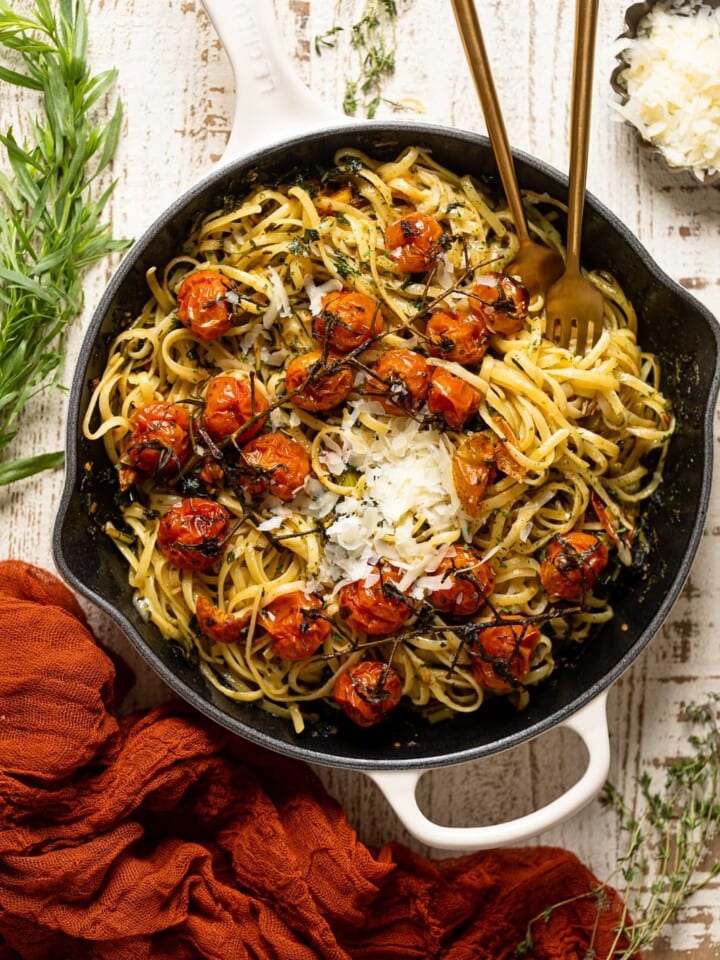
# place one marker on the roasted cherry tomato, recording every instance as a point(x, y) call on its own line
point(275, 464)
point(202, 304)
point(462, 336)
point(159, 444)
point(452, 398)
point(501, 655)
point(572, 564)
point(401, 381)
point(375, 608)
point(413, 242)
point(609, 524)
point(234, 408)
point(220, 626)
point(193, 532)
point(347, 320)
point(295, 625)
point(505, 460)
point(474, 469)
point(467, 583)
point(329, 203)
point(501, 301)
point(316, 382)
point(367, 691)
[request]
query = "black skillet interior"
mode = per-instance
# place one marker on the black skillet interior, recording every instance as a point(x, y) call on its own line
point(672, 324)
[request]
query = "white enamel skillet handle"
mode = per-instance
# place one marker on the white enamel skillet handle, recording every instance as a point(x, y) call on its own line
point(272, 104)
point(590, 723)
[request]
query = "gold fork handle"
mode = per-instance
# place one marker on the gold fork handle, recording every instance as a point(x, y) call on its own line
point(479, 63)
point(586, 13)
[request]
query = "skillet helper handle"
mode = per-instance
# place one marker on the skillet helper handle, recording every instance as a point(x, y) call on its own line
point(271, 102)
point(399, 787)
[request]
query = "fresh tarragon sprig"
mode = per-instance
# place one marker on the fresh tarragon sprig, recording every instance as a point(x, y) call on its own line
point(51, 225)
point(668, 843)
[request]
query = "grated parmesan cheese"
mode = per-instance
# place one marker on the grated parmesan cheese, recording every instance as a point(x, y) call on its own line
point(672, 80)
point(407, 513)
point(143, 606)
point(279, 300)
point(316, 292)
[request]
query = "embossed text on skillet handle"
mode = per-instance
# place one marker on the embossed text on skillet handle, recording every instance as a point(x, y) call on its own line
point(271, 102)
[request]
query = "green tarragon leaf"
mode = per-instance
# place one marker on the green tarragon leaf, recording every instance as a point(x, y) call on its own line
point(51, 226)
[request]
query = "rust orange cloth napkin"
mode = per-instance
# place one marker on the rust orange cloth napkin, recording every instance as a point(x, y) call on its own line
point(158, 835)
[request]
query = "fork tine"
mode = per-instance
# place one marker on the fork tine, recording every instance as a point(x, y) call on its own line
point(566, 325)
point(549, 327)
point(581, 336)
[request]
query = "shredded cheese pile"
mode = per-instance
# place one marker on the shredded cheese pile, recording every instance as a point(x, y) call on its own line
point(406, 509)
point(673, 83)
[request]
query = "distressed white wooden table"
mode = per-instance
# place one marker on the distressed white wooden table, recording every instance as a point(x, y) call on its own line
point(177, 88)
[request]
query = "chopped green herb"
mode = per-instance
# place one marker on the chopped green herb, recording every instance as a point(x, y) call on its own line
point(350, 100)
point(326, 39)
point(298, 248)
point(343, 268)
point(373, 35)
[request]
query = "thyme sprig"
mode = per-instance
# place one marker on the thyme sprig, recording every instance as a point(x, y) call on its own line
point(50, 212)
point(373, 36)
point(668, 843)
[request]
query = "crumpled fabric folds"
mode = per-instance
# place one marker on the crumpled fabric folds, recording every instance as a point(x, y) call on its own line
point(159, 835)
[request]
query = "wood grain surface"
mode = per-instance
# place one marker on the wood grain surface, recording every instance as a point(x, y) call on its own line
point(178, 91)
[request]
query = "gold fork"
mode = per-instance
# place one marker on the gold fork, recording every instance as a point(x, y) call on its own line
point(536, 265)
point(572, 302)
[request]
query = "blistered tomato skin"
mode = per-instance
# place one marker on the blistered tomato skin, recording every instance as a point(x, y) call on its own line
point(413, 242)
point(274, 464)
point(609, 524)
point(452, 398)
point(474, 469)
point(234, 408)
point(401, 381)
point(501, 301)
point(374, 605)
point(192, 533)
point(367, 691)
point(572, 564)
point(459, 336)
point(501, 655)
point(218, 625)
point(202, 305)
point(316, 383)
point(159, 444)
point(347, 321)
point(467, 583)
point(296, 626)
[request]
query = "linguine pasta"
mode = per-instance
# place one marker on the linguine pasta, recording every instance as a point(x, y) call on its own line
point(580, 443)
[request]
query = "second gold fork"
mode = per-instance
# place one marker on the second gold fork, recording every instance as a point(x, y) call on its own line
point(573, 305)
